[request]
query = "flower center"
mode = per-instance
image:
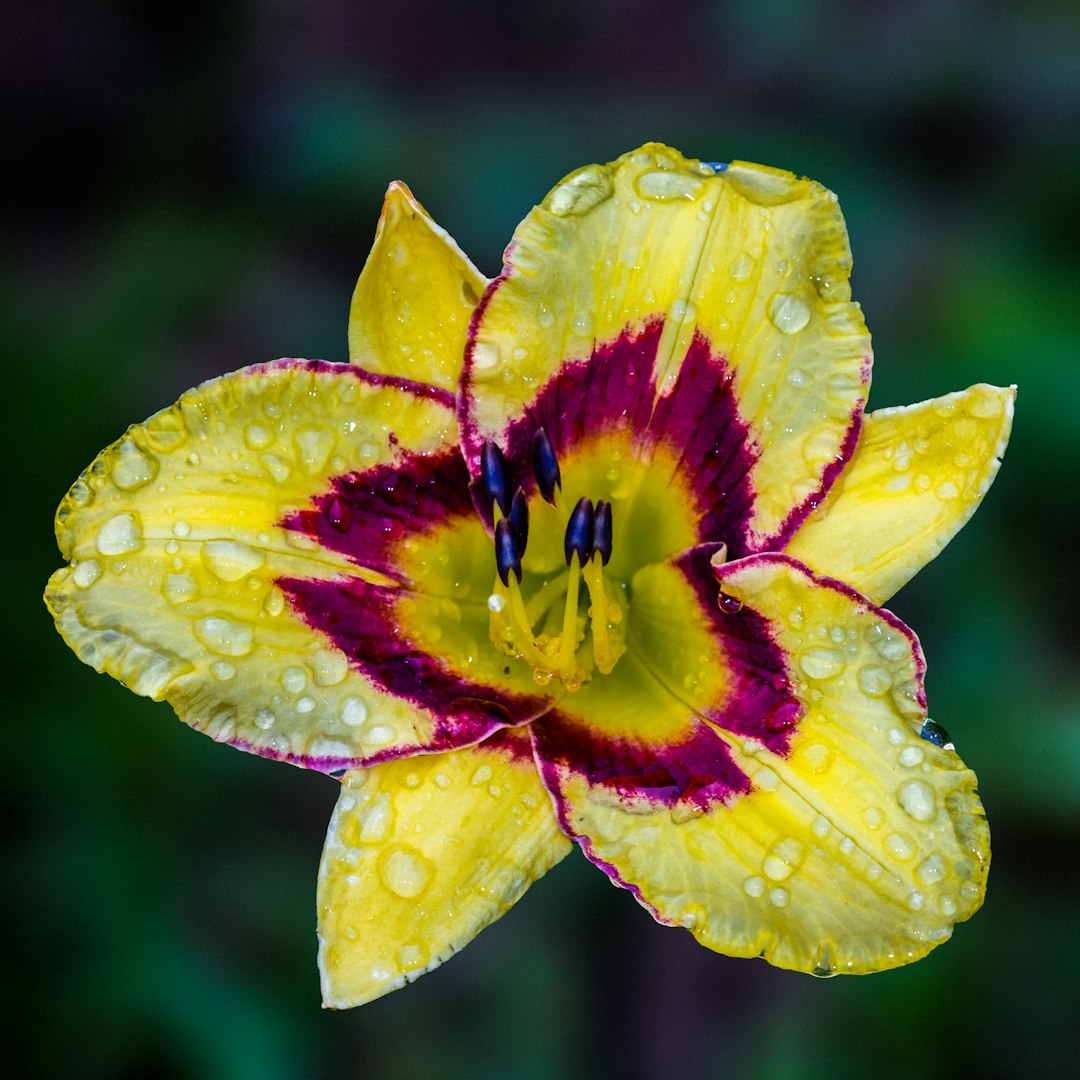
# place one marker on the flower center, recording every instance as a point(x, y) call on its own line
point(561, 630)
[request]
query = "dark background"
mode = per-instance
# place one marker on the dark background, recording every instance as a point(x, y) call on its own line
point(194, 188)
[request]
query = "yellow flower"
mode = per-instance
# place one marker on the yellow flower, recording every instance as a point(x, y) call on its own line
point(591, 551)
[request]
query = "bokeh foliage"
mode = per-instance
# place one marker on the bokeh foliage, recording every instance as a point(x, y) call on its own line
point(195, 189)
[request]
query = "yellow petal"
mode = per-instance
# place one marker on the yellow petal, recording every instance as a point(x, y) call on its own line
point(918, 474)
point(855, 849)
point(412, 304)
point(421, 855)
point(177, 546)
point(657, 264)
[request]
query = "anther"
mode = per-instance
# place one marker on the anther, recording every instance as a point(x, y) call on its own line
point(519, 521)
point(546, 466)
point(579, 533)
point(601, 543)
point(507, 559)
point(496, 476)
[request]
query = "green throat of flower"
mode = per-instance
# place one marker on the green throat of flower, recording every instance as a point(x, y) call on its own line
point(559, 628)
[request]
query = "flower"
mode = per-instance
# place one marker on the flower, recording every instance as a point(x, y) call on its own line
point(593, 552)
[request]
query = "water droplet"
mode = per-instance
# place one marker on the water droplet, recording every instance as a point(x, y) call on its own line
point(821, 827)
point(405, 872)
point(265, 719)
point(294, 679)
point(910, 756)
point(917, 800)
point(846, 845)
point(179, 588)
point(258, 437)
point(893, 646)
point(482, 775)
point(496, 603)
point(818, 757)
point(86, 573)
point(354, 711)
point(181, 529)
point(947, 491)
point(900, 847)
point(664, 186)
point(278, 468)
point(742, 267)
point(779, 897)
point(166, 431)
point(729, 605)
point(783, 859)
point(338, 514)
point(120, 534)
point(789, 314)
point(754, 886)
point(305, 704)
point(798, 378)
point(330, 667)
point(380, 735)
point(580, 192)
point(821, 663)
point(485, 356)
point(131, 467)
point(230, 560)
point(916, 900)
point(222, 636)
point(222, 670)
point(874, 680)
point(274, 604)
point(683, 310)
point(314, 446)
point(441, 780)
point(931, 870)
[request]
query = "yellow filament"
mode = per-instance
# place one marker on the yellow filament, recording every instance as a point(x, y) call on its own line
point(521, 627)
point(545, 596)
point(568, 641)
point(602, 614)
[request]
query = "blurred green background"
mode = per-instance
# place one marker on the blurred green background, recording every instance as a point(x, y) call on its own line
point(194, 188)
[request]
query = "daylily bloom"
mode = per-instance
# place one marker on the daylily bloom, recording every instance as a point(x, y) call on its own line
point(591, 552)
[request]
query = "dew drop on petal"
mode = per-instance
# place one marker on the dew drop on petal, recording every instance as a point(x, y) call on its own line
point(788, 313)
point(820, 663)
point(230, 560)
point(86, 573)
point(874, 680)
point(917, 800)
point(354, 711)
point(405, 872)
point(120, 534)
point(223, 636)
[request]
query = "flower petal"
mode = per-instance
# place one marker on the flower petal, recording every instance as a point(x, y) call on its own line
point(917, 475)
point(665, 262)
point(854, 848)
point(414, 298)
point(421, 855)
point(185, 558)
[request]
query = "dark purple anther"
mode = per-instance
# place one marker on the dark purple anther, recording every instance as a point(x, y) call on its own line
point(519, 521)
point(496, 476)
point(601, 540)
point(546, 466)
point(507, 559)
point(579, 533)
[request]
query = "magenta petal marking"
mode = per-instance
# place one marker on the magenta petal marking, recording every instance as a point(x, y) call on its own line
point(615, 389)
point(761, 704)
point(694, 773)
point(360, 620)
point(699, 420)
point(366, 515)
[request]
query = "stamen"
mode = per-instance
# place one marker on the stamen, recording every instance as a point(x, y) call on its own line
point(568, 639)
point(507, 559)
point(519, 521)
point(579, 534)
point(546, 466)
point(601, 544)
point(496, 476)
